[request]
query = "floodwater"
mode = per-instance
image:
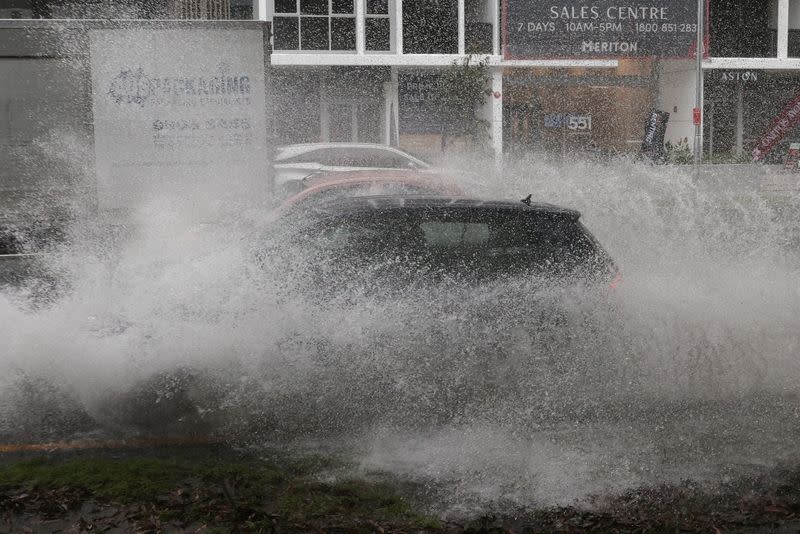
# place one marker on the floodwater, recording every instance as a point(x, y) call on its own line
point(169, 326)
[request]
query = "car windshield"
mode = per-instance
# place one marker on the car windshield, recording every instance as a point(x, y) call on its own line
point(469, 241)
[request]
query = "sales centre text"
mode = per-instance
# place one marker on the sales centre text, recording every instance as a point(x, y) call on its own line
point(613, 13)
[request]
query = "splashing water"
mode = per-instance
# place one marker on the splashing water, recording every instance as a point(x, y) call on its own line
point(167, 326)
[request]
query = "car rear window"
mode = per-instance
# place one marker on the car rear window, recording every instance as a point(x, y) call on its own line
point(476, 240)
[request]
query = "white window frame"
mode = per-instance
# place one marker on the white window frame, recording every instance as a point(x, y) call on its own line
point(360, 16)
point(330, 15)
point(387, 16)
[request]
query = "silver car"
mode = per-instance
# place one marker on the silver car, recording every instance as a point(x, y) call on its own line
point(295, 162)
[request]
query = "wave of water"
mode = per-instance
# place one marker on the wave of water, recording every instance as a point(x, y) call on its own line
point(169, 326)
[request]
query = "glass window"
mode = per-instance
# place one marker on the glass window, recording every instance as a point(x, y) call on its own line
point(242, 9)
point(317, 25)
point(363, 157)
point(339, 7)
point(286, 33)
point(343, 33)
point(430, 27)
point(377, 7)
point(313, 156)
point(314, 33)
point(377, 33)
point(314, 7)
point(474, 241)
point(454, 234)
point(285, 6)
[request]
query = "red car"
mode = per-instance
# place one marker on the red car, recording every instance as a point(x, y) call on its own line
point(328, 186)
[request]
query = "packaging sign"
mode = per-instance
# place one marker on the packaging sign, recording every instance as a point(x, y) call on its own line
point(415, 93)
point(654, 132)
point(181, 108)
point(599, 29)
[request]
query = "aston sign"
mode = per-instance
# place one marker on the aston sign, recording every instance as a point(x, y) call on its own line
point(575, 29)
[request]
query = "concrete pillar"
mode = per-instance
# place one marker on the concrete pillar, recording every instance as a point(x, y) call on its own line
point(391, 97)
point(496, 27)
point(361, 42)
point(461, 28)
point(398, 26)
point(711, 129)
point(739, 146)
point(324, 116)
point(354, 122)
point(783, 29)
point(260, 10)
point(497, 113)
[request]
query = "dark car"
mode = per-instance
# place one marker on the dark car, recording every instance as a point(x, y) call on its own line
point(397, 241)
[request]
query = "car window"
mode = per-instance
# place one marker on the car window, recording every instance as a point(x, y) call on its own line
point(355, 157)
point(312, 156)
point(477, 241)
point(364, 157)
point(455, 234)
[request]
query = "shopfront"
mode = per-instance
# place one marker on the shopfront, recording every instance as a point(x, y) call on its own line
point(561, 111)
point(740, 105)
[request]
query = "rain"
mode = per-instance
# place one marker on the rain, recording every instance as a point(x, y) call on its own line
point(392, 265)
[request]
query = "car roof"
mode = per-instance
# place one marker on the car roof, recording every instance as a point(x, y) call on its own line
point(427, 202)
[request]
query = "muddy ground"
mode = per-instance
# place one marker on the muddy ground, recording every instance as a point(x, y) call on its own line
point(218, 488)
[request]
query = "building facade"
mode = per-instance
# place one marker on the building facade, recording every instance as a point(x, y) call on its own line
point(377, 71)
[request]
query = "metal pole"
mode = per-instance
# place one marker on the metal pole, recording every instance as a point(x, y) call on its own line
point(698, 126)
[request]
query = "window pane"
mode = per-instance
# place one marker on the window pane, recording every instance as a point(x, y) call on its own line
point(285, 29)
point(377, 34)
point(314, 7)
point(455, 234)
point(377, 7)
point(242, 11)
point(342, 6)
point(285, 6)
point(343, 33)
point(314, 33)
point(430, 27)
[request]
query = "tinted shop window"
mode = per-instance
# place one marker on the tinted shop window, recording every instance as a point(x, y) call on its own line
point(242, 9)
point(315, 25)
point(286, 33)
point(430, 27)
point(377, 7)
point(313, 7)
point(314, 33)
point(343, 33)
point(376, 26)
point(285, 6)
point(377, 33)
point(342, 7)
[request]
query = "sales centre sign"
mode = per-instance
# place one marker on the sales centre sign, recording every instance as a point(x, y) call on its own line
point(567, 29)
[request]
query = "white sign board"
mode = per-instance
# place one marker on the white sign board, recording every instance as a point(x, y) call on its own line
point(179, 110)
